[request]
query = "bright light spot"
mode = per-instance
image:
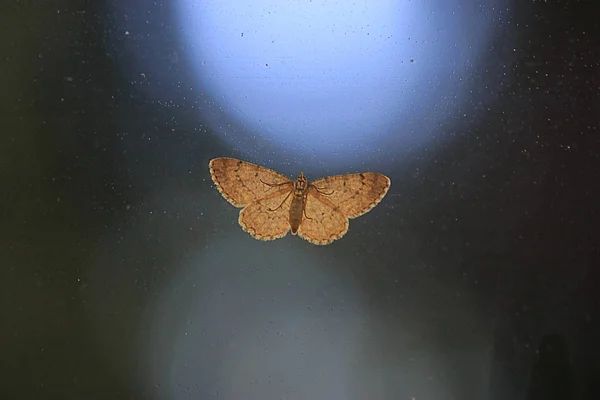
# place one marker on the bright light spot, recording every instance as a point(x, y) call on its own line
point(329, 79)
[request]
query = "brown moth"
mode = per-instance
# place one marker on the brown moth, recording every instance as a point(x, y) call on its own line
point(272, 204)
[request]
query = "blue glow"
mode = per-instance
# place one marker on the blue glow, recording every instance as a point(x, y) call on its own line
point(341, 80)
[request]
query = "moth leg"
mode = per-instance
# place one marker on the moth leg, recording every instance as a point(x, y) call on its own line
point(278, 207)
point(304, 209)
point(305, 216)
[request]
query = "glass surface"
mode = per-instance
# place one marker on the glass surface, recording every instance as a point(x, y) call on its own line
point(124, 273)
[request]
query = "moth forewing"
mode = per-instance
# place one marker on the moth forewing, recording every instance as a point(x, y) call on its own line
point(272, 204)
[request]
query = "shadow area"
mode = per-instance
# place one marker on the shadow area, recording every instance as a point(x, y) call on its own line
point(551, 376)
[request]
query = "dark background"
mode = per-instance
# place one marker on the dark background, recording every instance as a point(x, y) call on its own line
point(506, 212)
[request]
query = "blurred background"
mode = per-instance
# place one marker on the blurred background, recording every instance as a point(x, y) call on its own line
point(125, 275)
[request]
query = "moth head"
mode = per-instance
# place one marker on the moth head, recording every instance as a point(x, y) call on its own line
point(302, 182)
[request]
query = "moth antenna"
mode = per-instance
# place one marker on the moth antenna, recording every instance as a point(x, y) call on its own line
point(273, 184)
point(321, 191)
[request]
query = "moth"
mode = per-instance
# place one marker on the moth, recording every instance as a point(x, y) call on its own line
point(273, 205)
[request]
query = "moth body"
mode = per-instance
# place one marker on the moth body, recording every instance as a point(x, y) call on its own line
point(298, 203)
